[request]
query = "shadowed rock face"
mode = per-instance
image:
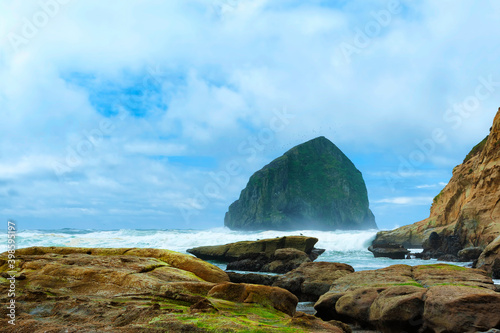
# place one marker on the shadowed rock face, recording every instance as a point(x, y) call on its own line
point(468, 208)
point(489, 259)
point(312, 186)
point(393, 251)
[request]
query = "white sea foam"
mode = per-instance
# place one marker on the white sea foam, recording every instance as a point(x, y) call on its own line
point(181, 240)
point(348, 247)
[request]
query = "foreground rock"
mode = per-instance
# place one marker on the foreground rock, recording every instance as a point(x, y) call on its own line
point(393, 251)
point(311, 280)
point(313, 181)
point(489, 259)
point(429, 298)
point(276, 255)
point(467, 208)
point(137, 290)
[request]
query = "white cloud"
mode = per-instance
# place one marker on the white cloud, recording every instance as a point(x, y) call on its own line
point(207, 75)
point(406, 201)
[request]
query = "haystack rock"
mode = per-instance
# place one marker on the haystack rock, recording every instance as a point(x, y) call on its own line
point(467, 211)
point(312, 186)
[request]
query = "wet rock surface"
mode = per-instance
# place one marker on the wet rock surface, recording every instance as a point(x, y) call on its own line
point(389, 250)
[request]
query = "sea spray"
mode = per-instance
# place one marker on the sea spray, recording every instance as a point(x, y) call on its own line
point(348, 247)
point(181, 240)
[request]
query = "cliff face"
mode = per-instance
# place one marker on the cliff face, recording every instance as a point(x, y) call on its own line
point(469, 206)
point(312, 186)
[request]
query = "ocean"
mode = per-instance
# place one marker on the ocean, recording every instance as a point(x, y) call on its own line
point(348, 247)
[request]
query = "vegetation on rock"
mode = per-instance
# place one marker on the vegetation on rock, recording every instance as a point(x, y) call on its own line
point(313, 185)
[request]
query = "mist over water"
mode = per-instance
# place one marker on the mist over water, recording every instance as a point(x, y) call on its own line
point(348, 247)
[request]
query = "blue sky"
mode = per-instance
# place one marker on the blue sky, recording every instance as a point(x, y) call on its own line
point(154, 114)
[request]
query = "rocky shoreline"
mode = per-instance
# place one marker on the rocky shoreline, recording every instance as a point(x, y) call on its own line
point(62, 289)
point(466, 213)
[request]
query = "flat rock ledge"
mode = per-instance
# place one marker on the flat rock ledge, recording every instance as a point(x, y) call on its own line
point(274, 255)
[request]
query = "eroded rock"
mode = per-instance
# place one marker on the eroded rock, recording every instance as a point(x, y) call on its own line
point(311, 280)
point(396, 298)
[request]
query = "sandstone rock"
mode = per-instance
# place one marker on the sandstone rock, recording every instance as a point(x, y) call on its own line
point(468, 205)
point(236, 251)
point(489, 259)
point(393, 251)
point(397, 309)
point(394, 299)
point(313, 185)
point(314, 324)
point(278, 298)
point(311, 280)
point(199, 268)
point(285, 260)
point(356, 304)
point(282, 261)
point(461, 309)
point(134, 290)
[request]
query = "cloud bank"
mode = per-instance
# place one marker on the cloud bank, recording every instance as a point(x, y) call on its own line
point(153, 114)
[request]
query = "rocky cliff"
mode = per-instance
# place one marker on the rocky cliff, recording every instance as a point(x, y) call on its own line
point(468, 208)
point(312, 186)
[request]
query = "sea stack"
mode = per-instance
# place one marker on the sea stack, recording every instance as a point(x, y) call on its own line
point(312, 186)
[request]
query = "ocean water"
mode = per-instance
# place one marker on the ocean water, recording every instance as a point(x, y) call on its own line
point(348, 247)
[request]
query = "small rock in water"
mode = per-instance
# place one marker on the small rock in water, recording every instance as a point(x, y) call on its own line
point(390, 250)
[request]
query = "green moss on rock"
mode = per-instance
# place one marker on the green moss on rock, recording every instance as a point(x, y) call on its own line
point(477, 149)
point(313, 185)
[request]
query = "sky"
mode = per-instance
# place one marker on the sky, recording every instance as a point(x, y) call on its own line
point(153, 114)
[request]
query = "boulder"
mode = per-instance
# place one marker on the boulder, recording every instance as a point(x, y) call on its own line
point(275, 255)
point(393, 251)
point(251, 278)
point(282, 261)
point(461, 309)
point(470, 253)
point(489, 259)
point(285, 260)
point(316, 325)
point(396, 298)
point(278, 298)
point(241, 250)
point(397, 309)
point(311, 280)
point(313, 185)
